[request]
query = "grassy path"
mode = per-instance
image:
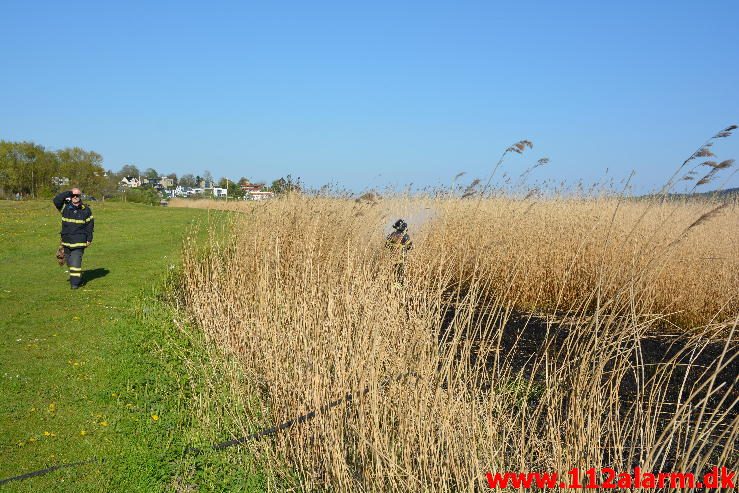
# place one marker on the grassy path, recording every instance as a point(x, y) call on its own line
point(82, 373)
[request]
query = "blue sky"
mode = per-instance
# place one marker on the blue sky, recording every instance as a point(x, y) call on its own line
point(374, 94)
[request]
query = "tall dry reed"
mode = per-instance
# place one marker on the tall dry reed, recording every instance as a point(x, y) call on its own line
point(519, 340)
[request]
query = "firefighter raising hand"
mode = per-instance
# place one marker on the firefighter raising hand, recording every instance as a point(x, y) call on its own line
point(77, 231)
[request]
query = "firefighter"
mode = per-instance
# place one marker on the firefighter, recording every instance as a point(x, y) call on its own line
point(400, 242)
point(77, 229)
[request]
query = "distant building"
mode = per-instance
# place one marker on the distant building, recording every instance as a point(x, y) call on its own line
point(219, 192)
point(162, 181)
point(258, 195)
point(60, 181)
point(130, 182)
point(252, 187)
point(256, 191)
point(180, 191)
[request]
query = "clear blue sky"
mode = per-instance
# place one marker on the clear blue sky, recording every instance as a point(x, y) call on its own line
point(373, 94)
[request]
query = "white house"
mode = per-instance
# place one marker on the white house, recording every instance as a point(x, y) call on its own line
point(60, 181)
point(259, 195)
point(181, 191)
point(130, 182)
point(219, 192)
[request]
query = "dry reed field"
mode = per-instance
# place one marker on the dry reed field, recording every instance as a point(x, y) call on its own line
point(231, 205)
point(526, 335)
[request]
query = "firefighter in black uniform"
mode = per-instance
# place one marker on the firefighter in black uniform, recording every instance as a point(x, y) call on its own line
point(77, 228)
point(399, 241)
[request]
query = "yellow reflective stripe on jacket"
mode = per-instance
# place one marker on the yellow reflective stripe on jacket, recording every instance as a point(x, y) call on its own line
point(88, 219)
point(75, 274)
point(75, 269)
point(73, 245)
point(78, 221)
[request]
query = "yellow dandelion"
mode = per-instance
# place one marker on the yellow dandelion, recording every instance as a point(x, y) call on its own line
point(103, 423)
point(83, 432)
point(32, 439)
point(33, 409)
point(114, 394)
point(155, 417)
point(47, 433)
point(52, 408)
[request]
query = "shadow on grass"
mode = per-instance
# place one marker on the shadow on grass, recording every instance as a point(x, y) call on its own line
point(90, 275)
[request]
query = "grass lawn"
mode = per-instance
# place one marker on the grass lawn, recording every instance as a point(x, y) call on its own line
point(101, 372)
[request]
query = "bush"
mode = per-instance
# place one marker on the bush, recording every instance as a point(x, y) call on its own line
point(139, 196)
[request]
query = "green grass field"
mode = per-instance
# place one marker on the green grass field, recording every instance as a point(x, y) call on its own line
point(104, 371)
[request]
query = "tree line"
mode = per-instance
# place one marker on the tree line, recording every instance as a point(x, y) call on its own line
point(31, 170)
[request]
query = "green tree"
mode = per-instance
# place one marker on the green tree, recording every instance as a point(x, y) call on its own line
point(278, 186)
point(11, 167)
point(129, 170)
point(285, 185)
point(187, 180)
point(30, 169)
point(235, 191)
point(83, 168)
point(143, 196)
point(151, 174)
point(110, 185)
point(26, 168)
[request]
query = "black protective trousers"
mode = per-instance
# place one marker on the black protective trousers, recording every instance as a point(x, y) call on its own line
point(74, 261)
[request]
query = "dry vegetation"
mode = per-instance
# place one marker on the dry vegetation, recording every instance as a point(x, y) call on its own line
point(518, 340)
point(223, 205)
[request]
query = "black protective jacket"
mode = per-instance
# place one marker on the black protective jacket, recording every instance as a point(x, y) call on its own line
point(77, 221)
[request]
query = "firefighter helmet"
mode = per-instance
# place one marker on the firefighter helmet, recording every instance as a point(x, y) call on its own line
point(400, 226)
